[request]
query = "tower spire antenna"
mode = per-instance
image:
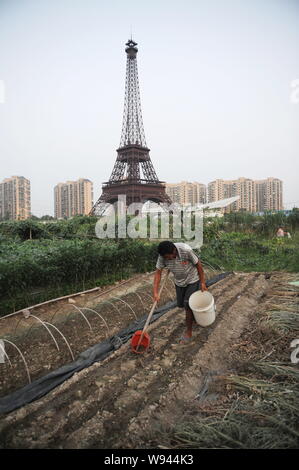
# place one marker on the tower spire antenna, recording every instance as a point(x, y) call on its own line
point(132, 128)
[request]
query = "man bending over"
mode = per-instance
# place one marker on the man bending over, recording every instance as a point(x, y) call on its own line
point(188, 273)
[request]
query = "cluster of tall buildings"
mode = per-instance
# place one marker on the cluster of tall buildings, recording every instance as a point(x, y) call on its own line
point(254, 195)
point(70, 198)
point(186, 193)
point(76, 197)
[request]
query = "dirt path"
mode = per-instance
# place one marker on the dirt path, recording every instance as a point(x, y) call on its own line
point(114, 404)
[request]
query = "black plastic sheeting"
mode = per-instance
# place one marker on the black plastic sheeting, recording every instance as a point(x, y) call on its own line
point(96, 353)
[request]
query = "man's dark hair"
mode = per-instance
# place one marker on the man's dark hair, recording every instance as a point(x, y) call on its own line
point(166, 248)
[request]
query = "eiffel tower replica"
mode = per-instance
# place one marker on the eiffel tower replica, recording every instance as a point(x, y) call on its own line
point(133, 174)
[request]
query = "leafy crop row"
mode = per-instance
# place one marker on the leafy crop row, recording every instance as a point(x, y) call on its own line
point(36, 264)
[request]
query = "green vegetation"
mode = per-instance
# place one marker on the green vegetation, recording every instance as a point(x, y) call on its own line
point(245, 242)
point(35, 270)
point(249, 252)
point(42, 259)
point(265, 225)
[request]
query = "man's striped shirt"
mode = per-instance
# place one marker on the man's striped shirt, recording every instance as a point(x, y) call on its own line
point(183, 266)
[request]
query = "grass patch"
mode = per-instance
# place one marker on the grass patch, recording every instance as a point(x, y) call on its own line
point(248, 252)
point(284, 321)
point(262, 415)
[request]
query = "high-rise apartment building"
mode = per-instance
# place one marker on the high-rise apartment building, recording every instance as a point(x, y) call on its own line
point(73, 198)
point(15, 198)
point(246, 191)
point(268, 194)
point(254, 196)
point(186, 193)
point(221, 189)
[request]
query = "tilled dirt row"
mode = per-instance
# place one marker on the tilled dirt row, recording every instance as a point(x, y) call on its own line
point(114, 404)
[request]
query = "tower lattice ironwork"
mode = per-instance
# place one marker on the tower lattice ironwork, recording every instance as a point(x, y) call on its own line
point(133, 173)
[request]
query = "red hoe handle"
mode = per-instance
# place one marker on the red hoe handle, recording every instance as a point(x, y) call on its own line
point(151, 312)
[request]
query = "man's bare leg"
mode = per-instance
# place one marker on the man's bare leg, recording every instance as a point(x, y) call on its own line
point(189, 321)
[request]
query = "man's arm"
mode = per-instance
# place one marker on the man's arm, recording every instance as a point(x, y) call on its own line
point(201, 276)
point(195, 260)
point(157, 279)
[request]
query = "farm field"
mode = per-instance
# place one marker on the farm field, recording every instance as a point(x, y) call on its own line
point(237, 373)
point(41, 261)
point(233, 386)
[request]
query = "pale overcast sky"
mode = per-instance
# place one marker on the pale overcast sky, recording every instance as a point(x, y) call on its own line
point(215, 78)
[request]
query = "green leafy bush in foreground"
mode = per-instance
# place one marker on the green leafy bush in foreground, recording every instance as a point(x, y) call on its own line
point(34, 264)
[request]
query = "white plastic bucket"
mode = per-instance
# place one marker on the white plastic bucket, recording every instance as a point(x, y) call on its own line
point(203, 307)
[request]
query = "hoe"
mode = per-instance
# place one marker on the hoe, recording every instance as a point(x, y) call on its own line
point(140, 338)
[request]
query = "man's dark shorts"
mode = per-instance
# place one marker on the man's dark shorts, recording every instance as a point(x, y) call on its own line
point(183, 293)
